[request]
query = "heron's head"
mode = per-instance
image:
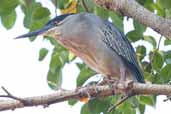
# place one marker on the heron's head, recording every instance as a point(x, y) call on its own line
point(48, 29)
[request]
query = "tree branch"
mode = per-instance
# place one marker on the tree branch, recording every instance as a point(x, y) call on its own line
point(83, 92)
point(133, 9)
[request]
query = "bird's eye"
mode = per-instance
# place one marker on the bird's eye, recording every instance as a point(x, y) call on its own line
point(56, 23)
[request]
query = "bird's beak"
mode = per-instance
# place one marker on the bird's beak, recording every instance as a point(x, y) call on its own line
point(37, 32)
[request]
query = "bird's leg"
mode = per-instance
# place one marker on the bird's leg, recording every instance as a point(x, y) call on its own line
point(128, 84)
point(122, 74)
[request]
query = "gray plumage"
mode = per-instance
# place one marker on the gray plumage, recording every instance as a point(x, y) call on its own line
point(97, 42)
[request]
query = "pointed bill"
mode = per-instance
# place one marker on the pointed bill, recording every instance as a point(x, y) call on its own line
point(35, 33)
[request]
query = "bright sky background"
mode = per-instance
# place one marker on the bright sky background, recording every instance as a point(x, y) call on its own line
point(23, 75)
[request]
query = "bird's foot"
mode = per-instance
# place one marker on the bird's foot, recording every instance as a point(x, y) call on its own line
point(124, 86)
point(107, 80)
point(90, 84)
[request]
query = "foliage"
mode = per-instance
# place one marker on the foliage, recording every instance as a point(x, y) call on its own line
point(156, 63)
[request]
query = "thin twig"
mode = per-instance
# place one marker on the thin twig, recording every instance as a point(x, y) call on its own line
point(9, 95)
point(158, 46)
point(168, 98)
point(118, 103)
point(84, 5)
point(56, 7)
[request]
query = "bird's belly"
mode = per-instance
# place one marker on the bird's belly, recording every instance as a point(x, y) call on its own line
point(108, 65)
point(99, 58)
point(102, 61)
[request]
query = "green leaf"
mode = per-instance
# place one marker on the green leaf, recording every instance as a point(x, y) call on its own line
point(85, 109)
point(55, 62)
point(142, 2)
point(97, 105)
point(147, 4)
point(133, 101)
point(164, 3)
point(60, 56)
point(62, 4)
point(54, 79)
point(167, 57)
point(85, 73)
point(139, 27)
point(8, 20)
point(146, 66)
point(103, 13)
point(117, 20)
point(167, 42)
point(134, 35)
point(141, 108)
point(42, 53)
point(151, 40)
point(81, 65)
point(141, 52)
point(28, 9)
point(64, 56)
point(80, 8)
point(91, 5)
point(147, 100)
point(34, 25)
point(8, 6)
point(148, 76)
point(157, 60)
point(37, 24)
point(71, 56)
point(159, 9)
point(166, 73)
point(127, 108)
point(52, 41)
point(72, 102)
point(168, 13)
point(168, 61)
point(157, 79)
point(40, 13)
point(36, 16)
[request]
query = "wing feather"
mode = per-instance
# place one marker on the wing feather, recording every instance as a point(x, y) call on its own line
point(119, 43)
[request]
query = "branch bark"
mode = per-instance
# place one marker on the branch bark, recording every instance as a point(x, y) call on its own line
point(133, 9)
point(83, 92)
